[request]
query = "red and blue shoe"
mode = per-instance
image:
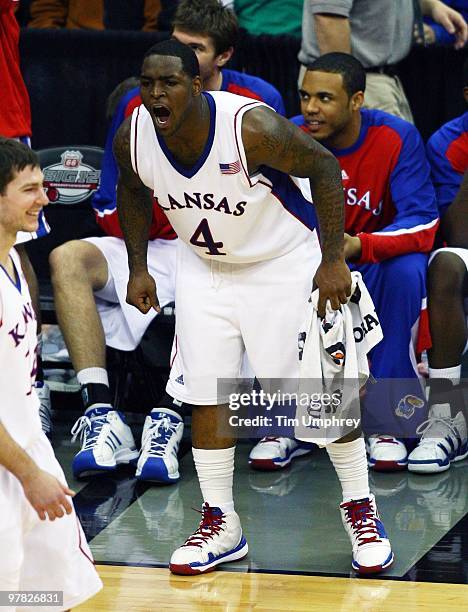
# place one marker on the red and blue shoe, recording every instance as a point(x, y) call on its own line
point(386, 454)
point(372, 552)
point(218, 539)
point(274, 453)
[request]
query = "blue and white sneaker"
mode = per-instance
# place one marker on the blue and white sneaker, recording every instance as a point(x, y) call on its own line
point(160, 441)
point(443, 441)
point(218, 539)
point(106, 441)
point(372, 552)
point(274, 453)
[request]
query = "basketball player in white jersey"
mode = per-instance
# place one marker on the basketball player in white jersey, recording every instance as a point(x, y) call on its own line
point(248, 251)
point(39, 553)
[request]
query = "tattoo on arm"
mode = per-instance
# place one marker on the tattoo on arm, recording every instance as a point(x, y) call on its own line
point(327, 194)
point(271, 140)
point(134, 203)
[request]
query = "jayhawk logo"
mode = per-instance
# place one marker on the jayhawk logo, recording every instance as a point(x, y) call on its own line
point(407, 404)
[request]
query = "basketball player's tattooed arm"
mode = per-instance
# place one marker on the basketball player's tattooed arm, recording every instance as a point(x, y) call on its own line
point(135, 209)
point(43, 491)
point(271, 140)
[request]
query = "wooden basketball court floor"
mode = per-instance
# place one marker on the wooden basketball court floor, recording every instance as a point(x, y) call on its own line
point(299, 555)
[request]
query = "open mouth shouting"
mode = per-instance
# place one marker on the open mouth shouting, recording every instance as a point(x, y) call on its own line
point(161, 114)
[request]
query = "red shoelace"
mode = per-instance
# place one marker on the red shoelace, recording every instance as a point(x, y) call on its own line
point(363, 521)
point(211, 524)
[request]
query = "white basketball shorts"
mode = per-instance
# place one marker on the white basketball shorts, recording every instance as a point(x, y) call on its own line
point(225, 310)
point(123, 324)
point(43, 555)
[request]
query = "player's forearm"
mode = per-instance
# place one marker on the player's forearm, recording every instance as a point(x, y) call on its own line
point(327, 195)
point(135, 211)
point(379, 247)
point(333, 33)
point(14, 458)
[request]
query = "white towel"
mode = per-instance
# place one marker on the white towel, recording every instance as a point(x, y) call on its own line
point(334, 366)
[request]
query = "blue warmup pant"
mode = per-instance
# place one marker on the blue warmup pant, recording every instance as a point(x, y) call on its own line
point(395, 404)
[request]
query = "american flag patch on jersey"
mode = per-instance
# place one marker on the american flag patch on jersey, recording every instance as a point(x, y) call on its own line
point(232, 168)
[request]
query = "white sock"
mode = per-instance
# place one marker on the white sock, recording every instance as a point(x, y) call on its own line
point(453, 374)
point(93, 375)
point(350, 462)
point(215, 469)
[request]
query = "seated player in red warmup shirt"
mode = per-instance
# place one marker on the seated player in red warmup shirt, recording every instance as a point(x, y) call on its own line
point(390, 223)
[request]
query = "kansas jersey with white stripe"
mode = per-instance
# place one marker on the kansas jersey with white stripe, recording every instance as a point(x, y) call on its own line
point(19, 405)
point(215, 206)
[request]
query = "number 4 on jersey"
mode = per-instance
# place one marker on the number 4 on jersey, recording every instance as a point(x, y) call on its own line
point(203, 230)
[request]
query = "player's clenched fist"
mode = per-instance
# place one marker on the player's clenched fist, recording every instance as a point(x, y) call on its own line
point(47, 495)
point(141, 292)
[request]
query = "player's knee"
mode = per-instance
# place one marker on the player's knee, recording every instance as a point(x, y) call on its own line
point(72, 260)
point(66, 261)
point(446, 275)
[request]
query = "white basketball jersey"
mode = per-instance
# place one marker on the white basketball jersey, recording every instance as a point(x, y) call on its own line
point(19, 404)
point(215, 206)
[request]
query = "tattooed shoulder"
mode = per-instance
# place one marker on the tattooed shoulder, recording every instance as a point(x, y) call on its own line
point(270, 139)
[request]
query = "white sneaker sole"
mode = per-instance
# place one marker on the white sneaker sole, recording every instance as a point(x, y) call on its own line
point(433, 467)
point(120, 457)
point(187, 570)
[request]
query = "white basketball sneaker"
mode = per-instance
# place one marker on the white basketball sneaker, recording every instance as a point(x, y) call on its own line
point(443, 440)
point(386, 454)
point(45, 408)
point(106, 441)
point(372, 552)
point(274, 453)
point(218, 539)
point(160, 441)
